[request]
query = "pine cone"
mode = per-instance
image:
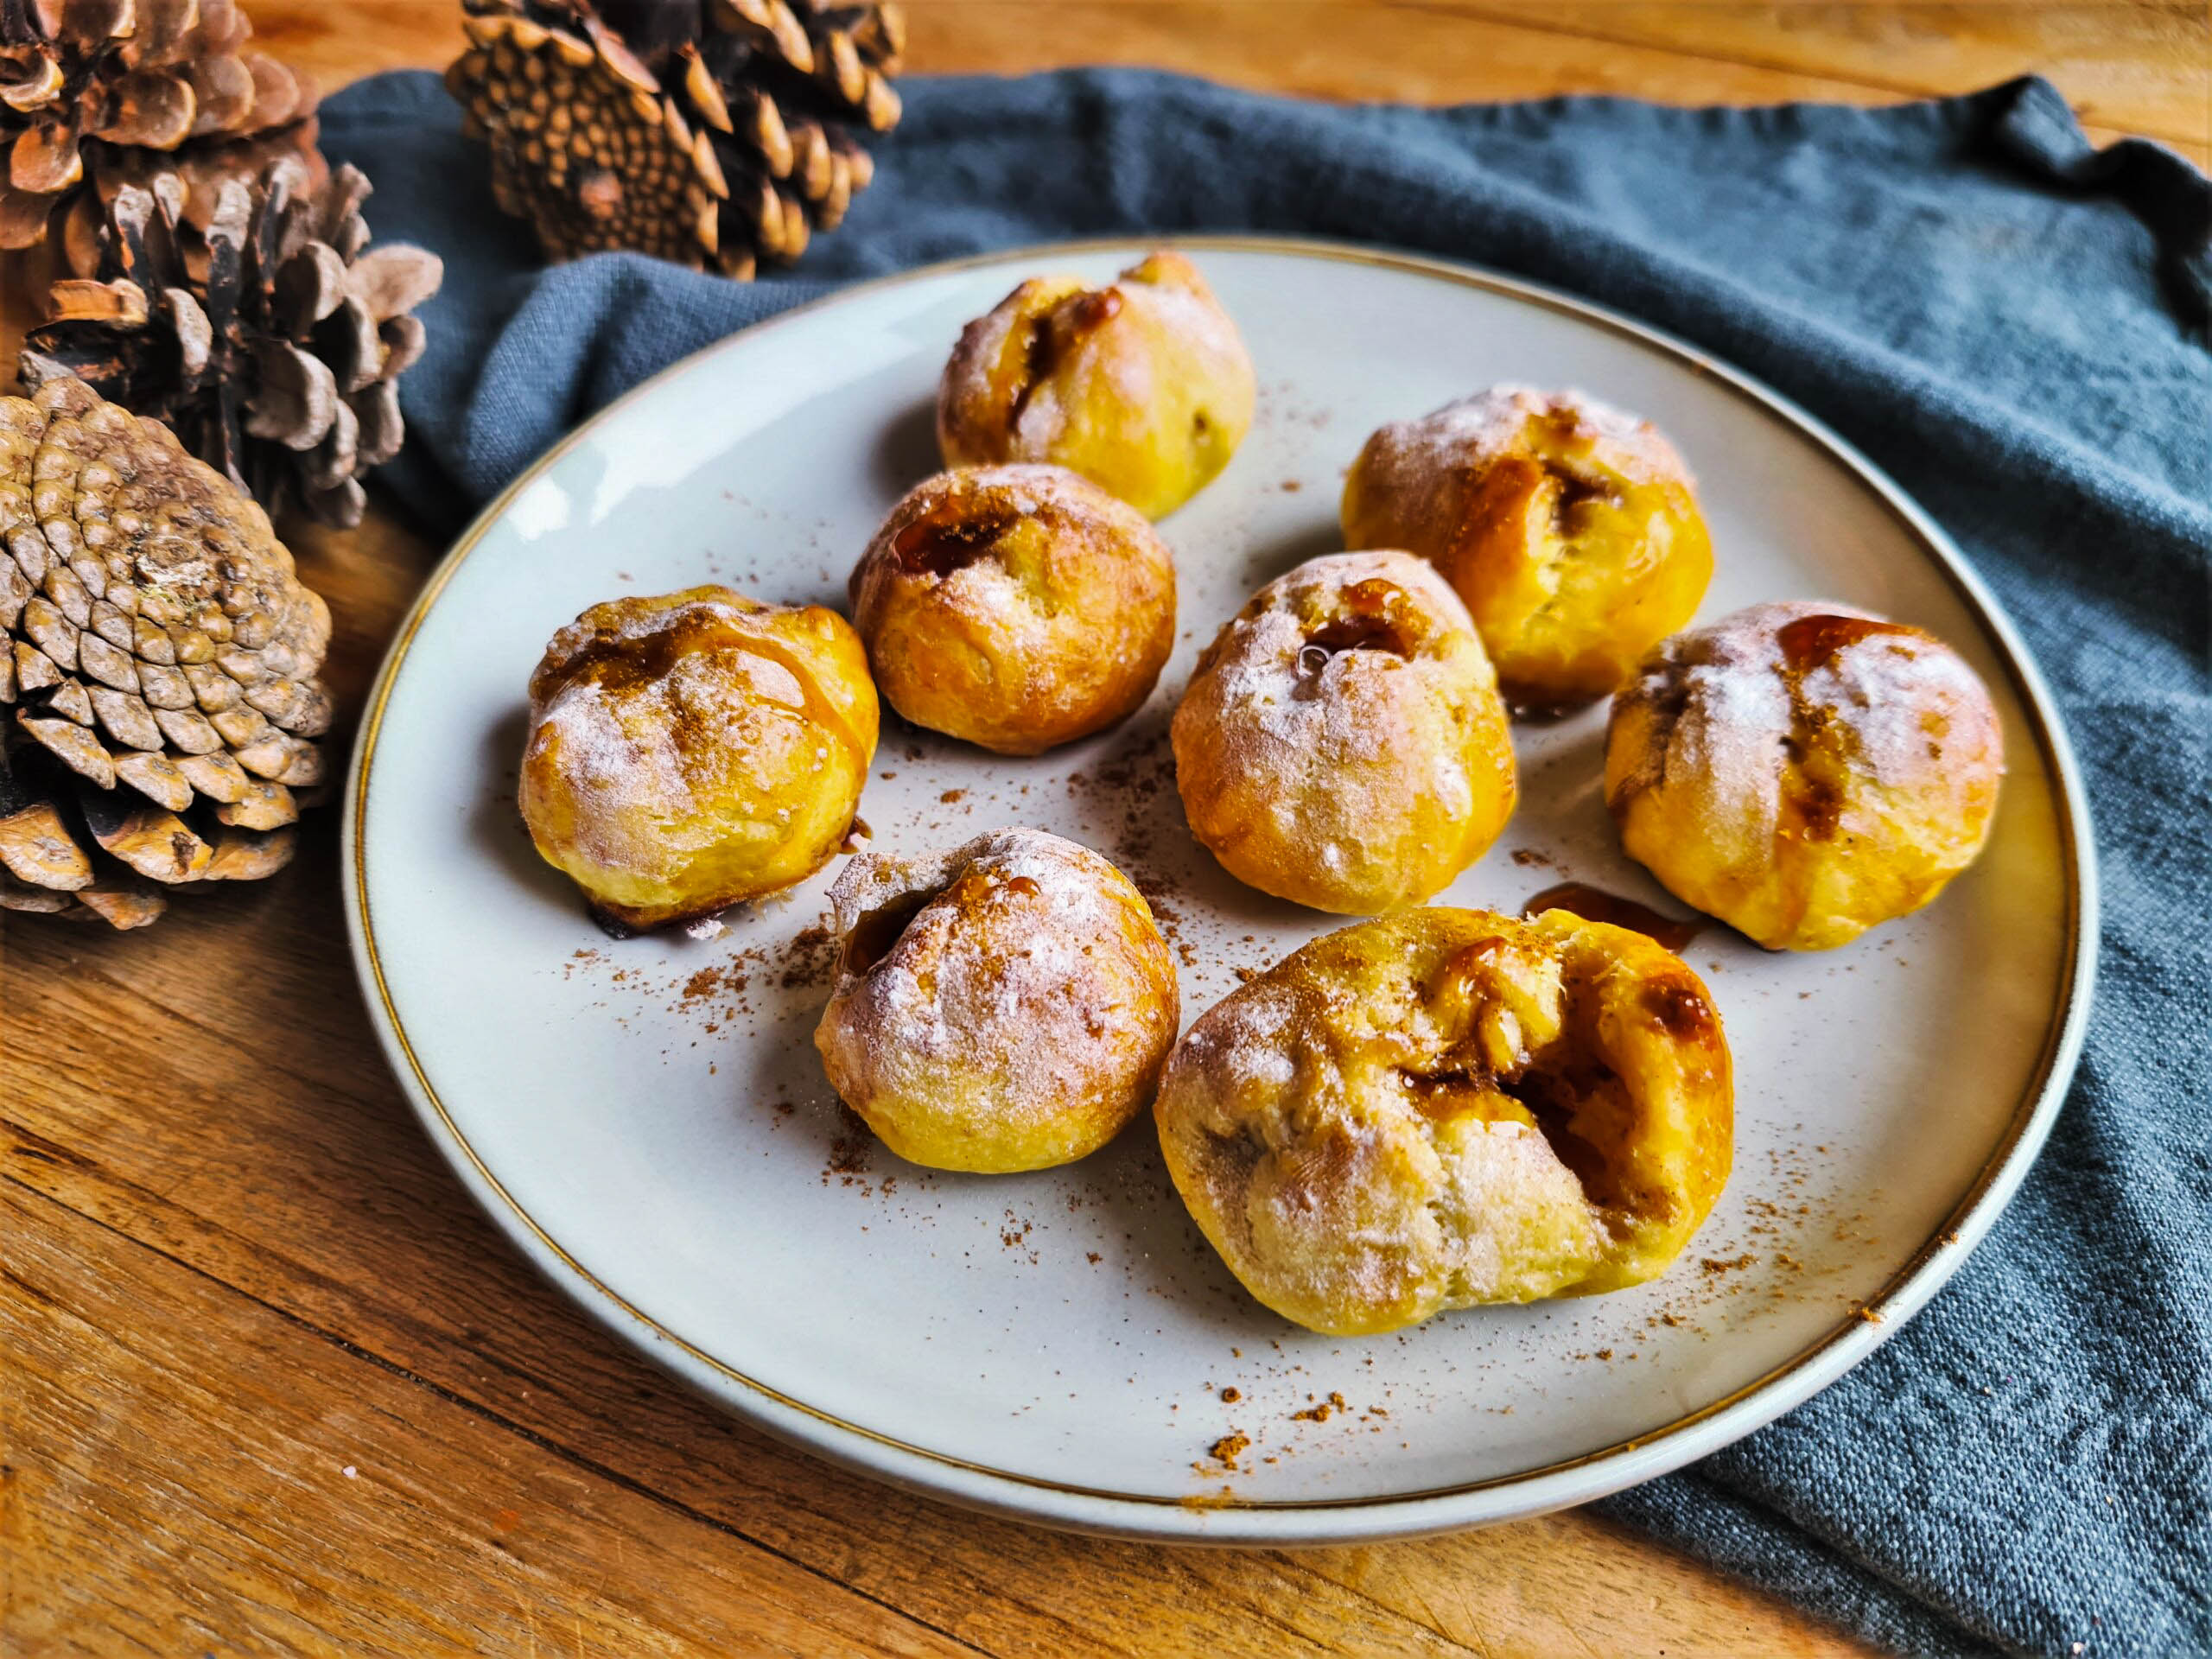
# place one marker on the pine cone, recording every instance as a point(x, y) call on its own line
point(701, 130)
point(90, 90)
point(160, 664)
point(279, 363)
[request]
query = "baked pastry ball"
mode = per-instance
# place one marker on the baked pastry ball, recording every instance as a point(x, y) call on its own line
point(1570, 531)
point(690, 752)
point(1005, 1005)
point(1144, 387)
point(1342, 743)
point(1015, 606)
point(1450, 1108)
point(1804, 770)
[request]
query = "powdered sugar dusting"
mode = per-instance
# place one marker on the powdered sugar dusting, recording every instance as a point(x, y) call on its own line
point(1262, 680)
point(1497, 423)
point(1009, 610)
point(1887, 687)
point(1034, 979)
point(1268, 696)
point(1726, 717)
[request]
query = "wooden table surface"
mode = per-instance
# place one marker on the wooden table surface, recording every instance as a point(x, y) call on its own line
point(270, 1383)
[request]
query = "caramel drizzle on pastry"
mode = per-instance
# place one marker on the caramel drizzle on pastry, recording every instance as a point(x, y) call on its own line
point(1055, 333)
point(1806, 644)
point(878, 931)
point(939, 544)
point(1596, 904)
point(1375, 616)
point(1811, 641)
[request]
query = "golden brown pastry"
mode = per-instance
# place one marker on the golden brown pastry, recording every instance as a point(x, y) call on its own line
point(1144, 387)
point(1018, 608)
point(690, 752)
point(1450, 1108)
point(1804, 770)
point(1005, 1005)
point(1570, 529)
point(1342, 743)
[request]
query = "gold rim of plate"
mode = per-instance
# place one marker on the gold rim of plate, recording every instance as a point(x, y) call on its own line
point(1883, 1313)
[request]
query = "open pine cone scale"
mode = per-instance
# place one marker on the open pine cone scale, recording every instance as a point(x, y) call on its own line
point(89, 89)
point(707, 131)
point(277, 362)
point(160, 671)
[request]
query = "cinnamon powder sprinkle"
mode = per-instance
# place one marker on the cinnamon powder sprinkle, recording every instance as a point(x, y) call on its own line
point(1321, 1413)
point(813, 953)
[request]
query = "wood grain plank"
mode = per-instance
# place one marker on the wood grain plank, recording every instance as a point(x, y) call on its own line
point(2145, 69)
point(303, 1179)
point(1326, 48)
point(1453, 51)
point(339, 40)
point(2142, 68)
point(189, 1471)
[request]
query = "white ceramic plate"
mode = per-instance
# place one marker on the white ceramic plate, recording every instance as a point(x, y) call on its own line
point(648, 1121)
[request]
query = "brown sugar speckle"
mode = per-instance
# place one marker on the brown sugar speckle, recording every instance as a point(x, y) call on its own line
point(813, 953)
point(849, 1152)
point(1321, 1413)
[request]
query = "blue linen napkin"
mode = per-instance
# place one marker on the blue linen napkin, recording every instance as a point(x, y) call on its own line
point(2009, 322)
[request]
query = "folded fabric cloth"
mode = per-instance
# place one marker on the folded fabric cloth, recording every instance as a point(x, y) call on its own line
point(2007, 319)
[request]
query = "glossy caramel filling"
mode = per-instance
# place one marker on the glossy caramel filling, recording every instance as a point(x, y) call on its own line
point(947, 540)
point(1596, 904)
point(1054, 335)
point(1375, 615)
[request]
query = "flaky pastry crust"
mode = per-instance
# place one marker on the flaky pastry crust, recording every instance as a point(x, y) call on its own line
point(1143, 386)
point(1450, 1108)
point(1571, 531)
point(1804, 770)
point(1342, 743)
point(1005, 1005)
point(690, 752)
point(1019, 608)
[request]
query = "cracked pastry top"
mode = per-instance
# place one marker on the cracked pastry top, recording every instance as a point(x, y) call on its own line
point(1804, 770)
point(690, 752)
point(1005, 1005)
point(1143, 386)
point(1341, 743)
point(1450, 1108)
point(1570, 531)
point(1017, 607)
